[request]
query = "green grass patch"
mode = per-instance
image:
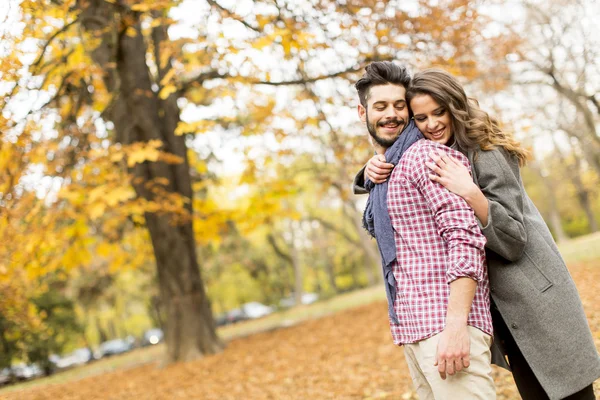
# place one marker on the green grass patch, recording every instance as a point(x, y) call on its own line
point(301, 313)
point(123, 361)
point(583, 248)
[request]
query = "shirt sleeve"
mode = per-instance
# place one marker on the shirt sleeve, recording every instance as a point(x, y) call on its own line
point(455, 219)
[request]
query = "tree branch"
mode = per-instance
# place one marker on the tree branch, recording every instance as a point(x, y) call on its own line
point(278, 250)
point(304, 81)
point(331, 227)
point(49, 41)
point(204, 76)
point(594, 101)
point(233, 16)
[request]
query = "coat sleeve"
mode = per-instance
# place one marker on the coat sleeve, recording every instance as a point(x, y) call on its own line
point(358, 186)
point(499, 179)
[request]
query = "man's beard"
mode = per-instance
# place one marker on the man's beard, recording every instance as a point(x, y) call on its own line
point(383, 142)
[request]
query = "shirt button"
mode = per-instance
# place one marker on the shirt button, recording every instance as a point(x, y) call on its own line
point(492, 289)
point(514, 326)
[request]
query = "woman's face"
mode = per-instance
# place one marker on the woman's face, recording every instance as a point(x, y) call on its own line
point(432, 119)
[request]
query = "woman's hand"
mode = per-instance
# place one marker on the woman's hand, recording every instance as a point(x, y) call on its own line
point(377, 169)
point(452, 174)
point(455, 177)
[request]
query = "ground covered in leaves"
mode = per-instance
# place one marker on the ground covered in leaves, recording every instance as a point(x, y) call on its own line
point(348, 355)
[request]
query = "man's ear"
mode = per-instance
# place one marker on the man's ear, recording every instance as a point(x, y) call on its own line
point(362, 113)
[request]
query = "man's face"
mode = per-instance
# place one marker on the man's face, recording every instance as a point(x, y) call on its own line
point(386, 114)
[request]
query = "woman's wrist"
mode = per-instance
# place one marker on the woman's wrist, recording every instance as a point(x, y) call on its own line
point(472, 195)
point(479, 203)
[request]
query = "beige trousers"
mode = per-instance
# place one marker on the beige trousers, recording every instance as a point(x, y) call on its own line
point(474, 382)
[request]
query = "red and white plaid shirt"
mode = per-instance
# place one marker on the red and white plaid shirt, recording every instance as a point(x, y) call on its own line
point(437, 241)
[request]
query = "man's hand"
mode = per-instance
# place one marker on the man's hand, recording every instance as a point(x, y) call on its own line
point(377, 169)
point(453, 349)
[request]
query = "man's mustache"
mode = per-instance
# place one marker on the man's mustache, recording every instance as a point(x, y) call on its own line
point(393, 120)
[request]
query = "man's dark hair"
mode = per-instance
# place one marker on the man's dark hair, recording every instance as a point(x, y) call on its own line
point(380, 73)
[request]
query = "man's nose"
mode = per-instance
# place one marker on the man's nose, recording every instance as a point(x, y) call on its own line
point(390, 112)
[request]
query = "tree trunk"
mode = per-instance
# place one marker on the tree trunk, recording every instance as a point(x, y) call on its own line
point(102, 336)
point(112, 329)
point(583, 195)
point(156, 312)
point(190, 328)
point(589, 148)
point(139, 115)
point(327, 265)
point(372, 258)
point(291, 258)
point(298, 273)
point(554, 216)
point(574, 175)
point(556, 224)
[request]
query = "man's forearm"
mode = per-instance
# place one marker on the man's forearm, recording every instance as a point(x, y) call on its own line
point(454, 345)
point(462, 292)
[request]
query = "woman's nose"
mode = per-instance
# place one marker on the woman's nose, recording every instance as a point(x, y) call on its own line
point(431, 123)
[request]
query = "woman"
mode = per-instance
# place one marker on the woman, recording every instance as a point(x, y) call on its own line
point(538, 317)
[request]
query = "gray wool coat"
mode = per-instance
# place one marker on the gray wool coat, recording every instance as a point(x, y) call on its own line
point(529, 281)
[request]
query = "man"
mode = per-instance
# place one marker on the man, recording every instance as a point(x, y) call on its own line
point(432, 252)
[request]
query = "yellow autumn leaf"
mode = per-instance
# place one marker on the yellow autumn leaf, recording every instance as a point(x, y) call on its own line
point(96, 193)
point(262, 42)
point(96, 210)
point(104, 249)
point(167, 78)
point(139, 219)
point(166, 91)
point(141, 155)
point(162, 181)
point(195, 127)
point(131, 32)
point(71, 196)
point(141, 7)
point(116, 157)
point(170, 158)
point(118, 195)
point(201, 167)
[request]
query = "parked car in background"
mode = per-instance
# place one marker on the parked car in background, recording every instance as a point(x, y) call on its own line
point(255, 310)
point(77, 357)
point(24, 372)
point(251, 310)
point(152, 336)
point(306, 298)
point(112, 347)
point(6, 376)
point(236, 315)
point(221, 319)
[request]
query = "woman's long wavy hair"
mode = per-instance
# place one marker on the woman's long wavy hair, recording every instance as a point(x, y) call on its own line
point(472, 127)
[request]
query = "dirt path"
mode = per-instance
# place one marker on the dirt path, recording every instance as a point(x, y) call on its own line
point(345, 356)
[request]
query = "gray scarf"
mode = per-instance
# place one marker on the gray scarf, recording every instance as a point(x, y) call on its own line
point(376, 219)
